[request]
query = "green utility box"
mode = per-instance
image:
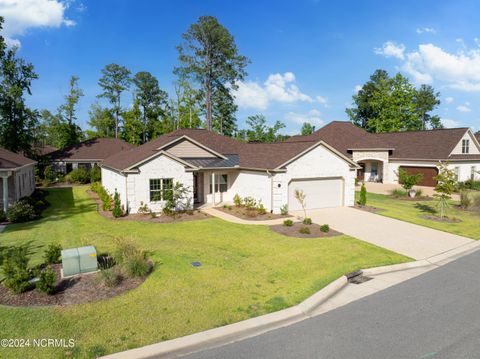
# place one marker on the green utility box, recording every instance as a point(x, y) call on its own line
point(79, 260)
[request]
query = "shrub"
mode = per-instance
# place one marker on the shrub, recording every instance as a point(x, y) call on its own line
point(49, 174)
point(132, 258)
point(237, 200)
point(465, 200)
point(472, 184)
point(284, 210)
point(363, 195)
point(418, 192)
point(261, 209)
point(288, 223)
point(79, 175)
point(408, 181)
point(110, 277)
point(249, 202)
point(397, 192)
point(3, 216)
point(52, 254)
point(15, 269)
point(21, 211)
point(136, 266)
point(307, 221)
point(95, 174)
point(325, 228)
point(304, 230)
point(46, 283)
point(143, 209)
point(95, 187)
point(105, 198)
point(117, 209)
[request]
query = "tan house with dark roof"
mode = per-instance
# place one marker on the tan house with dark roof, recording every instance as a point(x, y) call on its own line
point(18, 177)
point(86, 154)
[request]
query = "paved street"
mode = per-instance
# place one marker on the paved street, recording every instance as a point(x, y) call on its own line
point(435, 315)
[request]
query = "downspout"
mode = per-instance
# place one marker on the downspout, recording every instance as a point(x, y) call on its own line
point(271, 191)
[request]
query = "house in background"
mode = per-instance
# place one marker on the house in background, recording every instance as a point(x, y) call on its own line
point(214, 168)
point(86, 154)
point(381, 156)
point(18, 177)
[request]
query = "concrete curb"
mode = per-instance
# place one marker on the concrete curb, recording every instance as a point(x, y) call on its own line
point(234, 332)
point(254, 326)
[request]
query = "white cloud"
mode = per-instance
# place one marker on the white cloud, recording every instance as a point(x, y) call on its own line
point(322, 101)
point(277, 88)
point(22, 15)
point(464, 108)
point(422, 30)
point(449, 100)
point(391, 49)
point(312, 117)
point(449, 123)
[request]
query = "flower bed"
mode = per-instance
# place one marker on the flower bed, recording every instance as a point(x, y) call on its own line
point(250, 214)
point(294, 230)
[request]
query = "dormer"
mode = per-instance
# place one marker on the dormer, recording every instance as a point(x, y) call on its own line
point(468, 145)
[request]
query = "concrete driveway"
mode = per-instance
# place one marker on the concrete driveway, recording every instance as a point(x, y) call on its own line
point(405, 238)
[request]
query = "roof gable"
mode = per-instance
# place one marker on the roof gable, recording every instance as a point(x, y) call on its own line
point(11, 160)
point(186, 147)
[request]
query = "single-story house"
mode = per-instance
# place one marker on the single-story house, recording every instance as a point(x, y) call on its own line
point(86, 154)
point(18, 177)
point(214, 168)
point(382, 155)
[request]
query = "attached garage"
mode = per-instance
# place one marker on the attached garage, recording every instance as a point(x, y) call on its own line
point(320, 192)
point(429, 174)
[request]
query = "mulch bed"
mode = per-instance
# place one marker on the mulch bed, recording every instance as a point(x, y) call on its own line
point(76, 290)
point(193, 215)
point(368, 208)
point(250, 214)
point(443, 220)
point(293, 231)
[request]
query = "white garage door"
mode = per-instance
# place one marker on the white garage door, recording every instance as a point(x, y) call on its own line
point(320, 193)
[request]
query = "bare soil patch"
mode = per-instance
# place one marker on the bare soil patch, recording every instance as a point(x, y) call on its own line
point(76, 290)
point(193, 215)
point(250, 214)
point(294, 231)
point(370, 209)
point(439, 219)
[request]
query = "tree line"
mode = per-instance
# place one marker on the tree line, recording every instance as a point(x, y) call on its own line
point(209, 68)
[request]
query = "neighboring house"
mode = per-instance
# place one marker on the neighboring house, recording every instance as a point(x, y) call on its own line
point(382, 155)
point(214, 168)
point(86, 154)
point(18, 177)
point(44, 150)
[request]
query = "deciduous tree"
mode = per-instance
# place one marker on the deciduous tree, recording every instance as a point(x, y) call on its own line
point(307, 129)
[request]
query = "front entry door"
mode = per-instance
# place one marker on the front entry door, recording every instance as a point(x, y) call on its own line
point(195, 187)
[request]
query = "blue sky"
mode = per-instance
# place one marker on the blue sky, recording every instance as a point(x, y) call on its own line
point(307, 57)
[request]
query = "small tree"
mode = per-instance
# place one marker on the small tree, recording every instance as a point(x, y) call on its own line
point(117, 206)
point(300, 196)
point(176, 198)
point(363, 196)
point(446, 183)
point(408, 181)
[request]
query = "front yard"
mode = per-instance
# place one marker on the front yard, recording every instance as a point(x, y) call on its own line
point(414, 211)
point(246, 271)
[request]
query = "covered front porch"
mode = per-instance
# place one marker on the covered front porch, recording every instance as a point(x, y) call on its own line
point(371, 171)
point(212, 188)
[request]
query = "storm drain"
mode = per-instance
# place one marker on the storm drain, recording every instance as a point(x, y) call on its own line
point(357, 277)
point(196, 264)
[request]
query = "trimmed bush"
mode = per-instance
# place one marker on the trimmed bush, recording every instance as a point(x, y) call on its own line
point(325, 228)
point(15, 269)
point(307, 221)
point(21, 211)
point(363, 195)
point(237, 200)
point(79, 175)
point(46, 284)
point(117, 209)
point(52, 254)
point(288, 223)
point(284, 210)
point(304, 230)
point(261, 209)
point(95, 174)
point(110, 277)
point(49, 175)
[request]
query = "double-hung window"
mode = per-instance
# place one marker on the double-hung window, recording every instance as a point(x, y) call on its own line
point(465, 146)
point(221, 183)
point(161, 189)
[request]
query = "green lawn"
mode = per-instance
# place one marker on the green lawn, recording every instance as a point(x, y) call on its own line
point(412, 211)
point(247, 271)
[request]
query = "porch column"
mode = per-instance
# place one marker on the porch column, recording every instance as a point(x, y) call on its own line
point(213, 188)
point(5, 193)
